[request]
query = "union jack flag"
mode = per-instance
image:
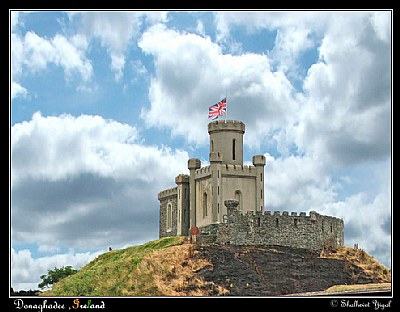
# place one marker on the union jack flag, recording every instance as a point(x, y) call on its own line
point(217, 109)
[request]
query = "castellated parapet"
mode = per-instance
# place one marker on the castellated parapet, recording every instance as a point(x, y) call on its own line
point(226, 125)
point(257, 228)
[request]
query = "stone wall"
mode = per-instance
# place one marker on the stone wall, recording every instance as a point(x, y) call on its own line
point(168, 197)
point(300, 231)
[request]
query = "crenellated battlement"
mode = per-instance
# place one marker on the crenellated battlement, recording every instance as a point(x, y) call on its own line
point(312, 214)
point(203, 172)
point(168, 192)
point(310, 231)
point(235, 169)
point(226, 125)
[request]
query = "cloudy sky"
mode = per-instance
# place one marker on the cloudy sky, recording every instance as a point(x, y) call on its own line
point(107, 107)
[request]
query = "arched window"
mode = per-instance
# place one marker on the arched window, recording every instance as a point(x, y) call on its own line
point(205, 205)
point(238, 197)
point(169, 217)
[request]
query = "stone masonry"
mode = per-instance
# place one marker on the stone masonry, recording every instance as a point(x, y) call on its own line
point(299, 231)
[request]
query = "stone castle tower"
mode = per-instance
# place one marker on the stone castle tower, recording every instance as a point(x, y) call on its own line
point(199, 200)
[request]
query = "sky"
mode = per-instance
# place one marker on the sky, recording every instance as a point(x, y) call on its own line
point(106, 107)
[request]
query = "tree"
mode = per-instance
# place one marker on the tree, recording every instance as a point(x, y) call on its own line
point(55, 275)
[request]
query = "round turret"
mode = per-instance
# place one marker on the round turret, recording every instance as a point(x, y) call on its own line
point(226, 138)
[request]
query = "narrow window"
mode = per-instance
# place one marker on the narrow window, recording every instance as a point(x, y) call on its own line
point(258, 221)
point(169, 217)
point(218, 174)
point(234, 149)
point(204, 205)
point(218, 190)
point(212, 146)
point(331, 229)
point(261, 194)
point(261, 177)
point(218, 208)
point(322, 226)
point(295, 222)
point(277, 222)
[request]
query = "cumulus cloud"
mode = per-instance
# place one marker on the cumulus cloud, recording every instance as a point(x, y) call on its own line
point(297, 183)
point(295, 33)
point(346, 99)
point(32, 53)
point(116, 31)
point(83, 178)
point(187, 64)
point(35, 53)
point(26, 270)
point(347, 109)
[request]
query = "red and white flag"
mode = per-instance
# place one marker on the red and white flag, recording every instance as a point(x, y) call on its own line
point(217, 110)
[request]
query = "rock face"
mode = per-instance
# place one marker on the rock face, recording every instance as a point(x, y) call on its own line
point(274, 270)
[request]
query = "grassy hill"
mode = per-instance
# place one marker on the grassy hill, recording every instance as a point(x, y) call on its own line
point(159, 268)
point(173, 267)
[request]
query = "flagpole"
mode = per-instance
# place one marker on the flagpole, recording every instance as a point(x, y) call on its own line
point(226, 102)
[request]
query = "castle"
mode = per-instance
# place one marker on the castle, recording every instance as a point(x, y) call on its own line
point(224, 201)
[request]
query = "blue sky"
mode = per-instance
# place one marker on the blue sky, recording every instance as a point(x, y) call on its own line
point(106, 108)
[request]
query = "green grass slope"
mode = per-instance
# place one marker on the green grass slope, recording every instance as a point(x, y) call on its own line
point(116, 273)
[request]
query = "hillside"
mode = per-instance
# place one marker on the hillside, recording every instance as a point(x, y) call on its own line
point(173, 267)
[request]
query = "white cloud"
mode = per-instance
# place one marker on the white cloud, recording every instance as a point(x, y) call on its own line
point(290, 43)
point(200, 28)
point(296, 32)
point(26, 270)
point(304, 178)
point(368, 223)
point(116, 31)
point(90, 177)
point(346, 111)
point(187, 64)
point(17, 90)
point(32, 53)
point(38, 52)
